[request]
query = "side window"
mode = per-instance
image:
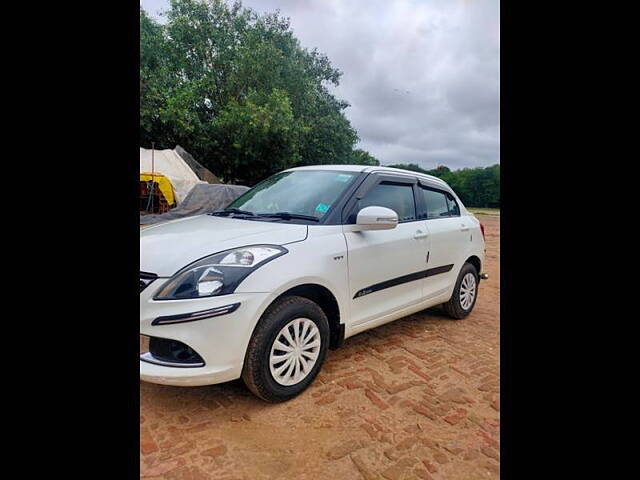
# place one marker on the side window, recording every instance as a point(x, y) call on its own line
point(436, 202)
point(454, 209)
point(396, 196)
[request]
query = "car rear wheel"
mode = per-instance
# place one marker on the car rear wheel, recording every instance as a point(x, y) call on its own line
point(465, 293)
point(287, 349)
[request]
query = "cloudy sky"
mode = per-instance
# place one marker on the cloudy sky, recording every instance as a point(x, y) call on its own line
point(422, 76)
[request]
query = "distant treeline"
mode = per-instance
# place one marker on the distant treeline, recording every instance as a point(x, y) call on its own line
point(476, 187)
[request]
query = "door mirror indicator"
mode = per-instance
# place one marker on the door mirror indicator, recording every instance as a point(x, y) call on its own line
point(375, 218)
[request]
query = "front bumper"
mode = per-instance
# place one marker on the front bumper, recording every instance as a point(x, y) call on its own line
point(220, 340)
point(188, 377)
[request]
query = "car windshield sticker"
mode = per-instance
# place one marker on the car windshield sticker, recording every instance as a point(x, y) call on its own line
point(322, 208)
point(343, 177)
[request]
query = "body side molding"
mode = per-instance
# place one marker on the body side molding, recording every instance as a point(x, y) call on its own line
point(412, 277)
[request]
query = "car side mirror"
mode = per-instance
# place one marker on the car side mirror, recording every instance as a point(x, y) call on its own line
point(375, 218)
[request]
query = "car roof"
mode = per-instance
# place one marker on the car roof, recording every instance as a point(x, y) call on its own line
point(370, 169)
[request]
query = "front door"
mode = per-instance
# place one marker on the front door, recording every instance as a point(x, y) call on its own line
point(386, 266)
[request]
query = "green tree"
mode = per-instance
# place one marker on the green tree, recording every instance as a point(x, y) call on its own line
point(255, 137)
point(361, 157)
point(237, 90)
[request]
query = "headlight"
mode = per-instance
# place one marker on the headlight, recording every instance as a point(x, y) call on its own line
point(218, 274)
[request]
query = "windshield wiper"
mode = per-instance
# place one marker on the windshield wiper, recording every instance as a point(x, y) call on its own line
point(289, 216)
point(237, 211)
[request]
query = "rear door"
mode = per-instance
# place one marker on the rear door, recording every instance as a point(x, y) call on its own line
point(386, 266)
point(449, 238)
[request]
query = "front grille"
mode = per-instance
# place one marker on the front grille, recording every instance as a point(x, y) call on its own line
point(145, 279)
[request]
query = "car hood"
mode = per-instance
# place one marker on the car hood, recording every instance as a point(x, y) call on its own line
point(166, 248)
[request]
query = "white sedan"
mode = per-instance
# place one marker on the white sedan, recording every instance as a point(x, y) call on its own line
point(294, 266)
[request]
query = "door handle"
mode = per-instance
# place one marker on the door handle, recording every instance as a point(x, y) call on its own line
point(420, 234)
point(464, 228)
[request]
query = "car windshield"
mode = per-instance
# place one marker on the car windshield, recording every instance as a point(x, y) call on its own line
point(309, 193)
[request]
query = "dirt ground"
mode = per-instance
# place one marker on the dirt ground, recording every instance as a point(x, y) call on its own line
point(416, 398)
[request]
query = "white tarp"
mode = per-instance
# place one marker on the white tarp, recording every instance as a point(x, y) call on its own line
point(171, 165)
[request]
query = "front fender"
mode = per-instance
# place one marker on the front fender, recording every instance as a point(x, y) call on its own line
point(320, 259)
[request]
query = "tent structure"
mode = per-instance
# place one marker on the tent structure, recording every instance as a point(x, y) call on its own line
point(186, 187)
point(172, 166)
point(203, 173)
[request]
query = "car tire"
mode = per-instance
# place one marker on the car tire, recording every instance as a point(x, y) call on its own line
point(263, 373)
point(460, 304)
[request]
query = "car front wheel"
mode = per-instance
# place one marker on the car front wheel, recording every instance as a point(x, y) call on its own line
point(287, 349)
point(465, 293)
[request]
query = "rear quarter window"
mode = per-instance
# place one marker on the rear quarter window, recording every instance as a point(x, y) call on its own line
point(436, 203)
point(454, 209)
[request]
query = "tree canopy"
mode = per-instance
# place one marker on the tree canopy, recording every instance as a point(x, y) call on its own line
point(237, 90)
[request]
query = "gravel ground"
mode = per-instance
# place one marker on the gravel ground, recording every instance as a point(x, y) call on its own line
point(416, 398)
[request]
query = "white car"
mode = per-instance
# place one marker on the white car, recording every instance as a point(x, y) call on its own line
point(294, 266)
